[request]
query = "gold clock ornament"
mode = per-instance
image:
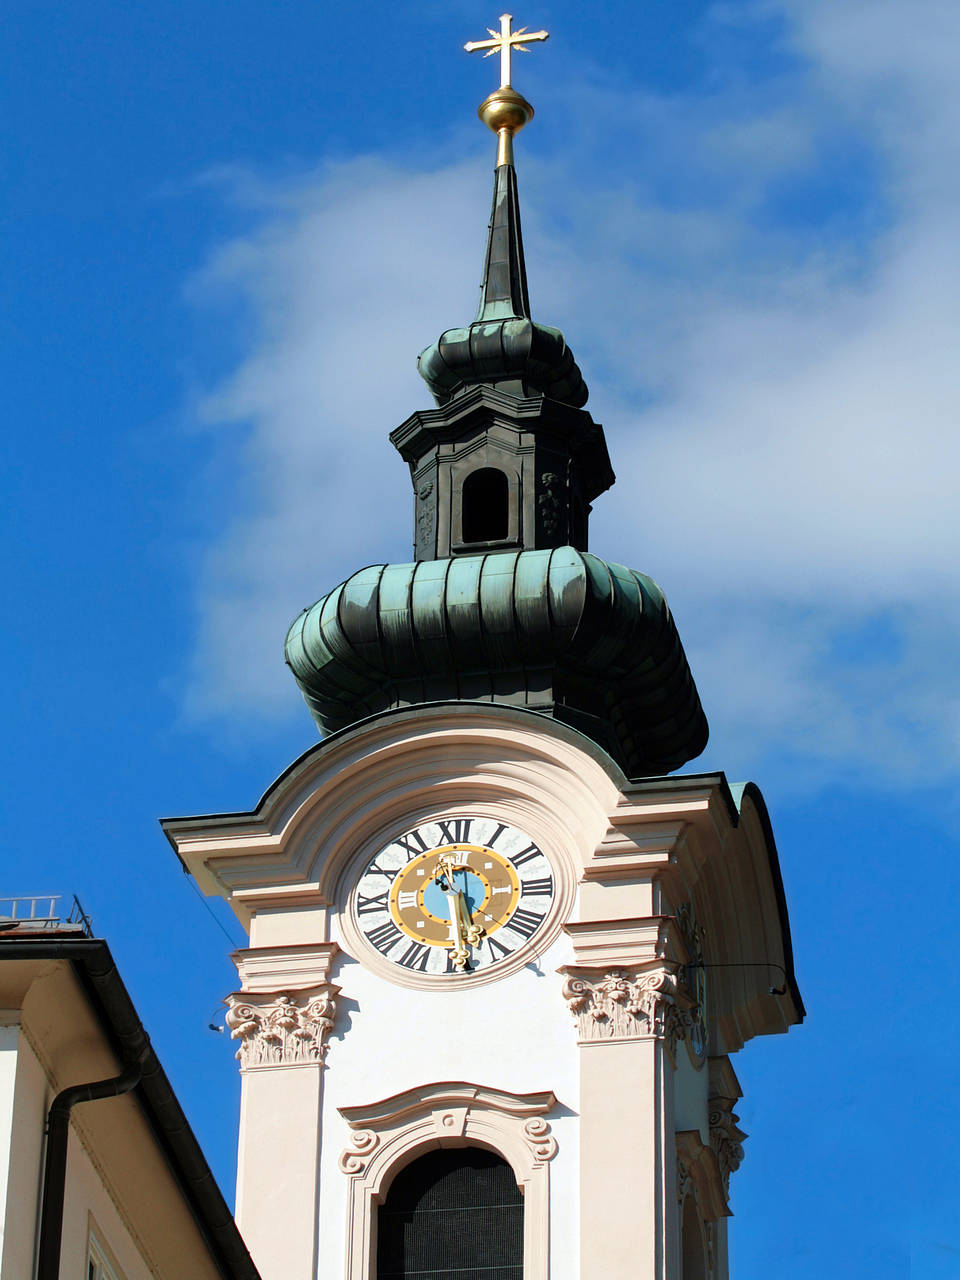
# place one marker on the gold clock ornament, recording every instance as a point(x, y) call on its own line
point(454, 896)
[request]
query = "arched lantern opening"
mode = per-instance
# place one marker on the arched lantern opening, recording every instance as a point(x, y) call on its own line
point(485, 506)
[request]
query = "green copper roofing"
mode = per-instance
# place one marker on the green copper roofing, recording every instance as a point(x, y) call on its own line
point(504, 344)
point(559, 631)
point(503, 291)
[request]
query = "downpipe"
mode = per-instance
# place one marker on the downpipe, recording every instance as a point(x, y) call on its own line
point(55, 1162)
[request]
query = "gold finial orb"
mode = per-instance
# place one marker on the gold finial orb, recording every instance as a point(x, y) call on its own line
point(505, 111)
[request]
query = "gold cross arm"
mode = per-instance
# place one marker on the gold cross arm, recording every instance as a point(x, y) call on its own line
point(503, 42)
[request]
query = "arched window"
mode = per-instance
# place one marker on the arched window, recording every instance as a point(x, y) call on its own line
point(485, 506)
point(694, 1262)
point(454, 1212)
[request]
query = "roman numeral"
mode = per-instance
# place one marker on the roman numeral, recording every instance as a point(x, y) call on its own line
point(496, 947)
point(523, 922)
point(536, 886)
point(389, 872)
point(413, 850)
point(531, 851)
point(384, 937)
point(492, 840)
point(415, 957)
point(456, 831)
point(377, 903)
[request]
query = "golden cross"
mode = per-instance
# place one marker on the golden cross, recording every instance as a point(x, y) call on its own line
point(503, 41)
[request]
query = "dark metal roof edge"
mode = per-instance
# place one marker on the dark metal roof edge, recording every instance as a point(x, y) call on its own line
point(651, 782)
point(733, 796)
point(479, 396)
point(752, 791)
point(111, 1003)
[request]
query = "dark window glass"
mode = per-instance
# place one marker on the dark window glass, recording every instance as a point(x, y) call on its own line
point(485, 506)
point(455, 1214)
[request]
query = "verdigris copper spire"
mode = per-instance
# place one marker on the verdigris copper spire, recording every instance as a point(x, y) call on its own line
point(503, 290)
point(502, 601)
point(504, 347)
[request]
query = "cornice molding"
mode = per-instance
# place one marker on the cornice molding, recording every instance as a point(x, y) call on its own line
point(285, 968)
point(603, 944)
point(633, 847)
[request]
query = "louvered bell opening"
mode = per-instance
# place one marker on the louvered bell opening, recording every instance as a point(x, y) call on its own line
point(454, 1214)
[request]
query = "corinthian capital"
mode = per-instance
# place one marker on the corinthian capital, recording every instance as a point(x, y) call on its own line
point(629, 1003)
point(282, 1028)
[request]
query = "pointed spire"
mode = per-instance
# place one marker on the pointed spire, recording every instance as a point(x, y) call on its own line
point(503, 346)
point(503, 293)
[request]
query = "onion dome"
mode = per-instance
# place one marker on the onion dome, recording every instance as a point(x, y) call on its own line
point(503, 601)
point(560, 631)
point(503, 345)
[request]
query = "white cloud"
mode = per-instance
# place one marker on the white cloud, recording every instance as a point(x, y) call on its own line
point(790, 473)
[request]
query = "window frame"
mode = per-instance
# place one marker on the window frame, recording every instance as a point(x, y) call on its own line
point(388, 1135)
point(100, 1257)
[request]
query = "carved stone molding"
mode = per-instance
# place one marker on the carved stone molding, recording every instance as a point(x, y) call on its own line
point(726, 1138)
point(698, 1174)
point(285, 968)
point(386, 1135)
point(693, 937)
point(354, 1158)
point(285, 1028)
point(630, 1004)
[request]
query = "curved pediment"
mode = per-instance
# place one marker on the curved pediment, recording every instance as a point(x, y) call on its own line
point(629, 856)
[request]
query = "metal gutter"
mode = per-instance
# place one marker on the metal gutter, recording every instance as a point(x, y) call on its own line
point(110, 1001)
point(55, 1160)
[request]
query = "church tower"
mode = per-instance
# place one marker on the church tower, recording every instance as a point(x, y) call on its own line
point(500, 954)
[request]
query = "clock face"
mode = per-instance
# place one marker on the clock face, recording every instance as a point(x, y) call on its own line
point(454, 896)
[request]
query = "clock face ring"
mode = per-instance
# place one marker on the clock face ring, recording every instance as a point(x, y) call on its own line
point(489, 883)
point(454, 896)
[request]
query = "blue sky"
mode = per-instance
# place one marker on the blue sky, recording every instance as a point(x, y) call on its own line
point(229, 230)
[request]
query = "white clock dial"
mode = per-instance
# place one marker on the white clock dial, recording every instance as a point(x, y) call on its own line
point(454, 896)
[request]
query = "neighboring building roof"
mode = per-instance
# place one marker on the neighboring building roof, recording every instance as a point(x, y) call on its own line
point(109, 1001)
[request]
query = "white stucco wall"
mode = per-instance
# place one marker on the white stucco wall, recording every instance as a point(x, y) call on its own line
point(516, 1035)
point(8, 1077)
point(28, 1106)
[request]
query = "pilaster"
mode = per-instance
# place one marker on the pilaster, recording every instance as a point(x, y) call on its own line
point(282, 1019)
point(632, 1006)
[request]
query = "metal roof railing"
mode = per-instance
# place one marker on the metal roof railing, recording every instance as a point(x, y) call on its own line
point(43, 911)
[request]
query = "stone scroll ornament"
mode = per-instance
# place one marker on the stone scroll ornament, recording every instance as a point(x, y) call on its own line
point(618, 1005)
point(726, 1138)
point(282, 1029)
